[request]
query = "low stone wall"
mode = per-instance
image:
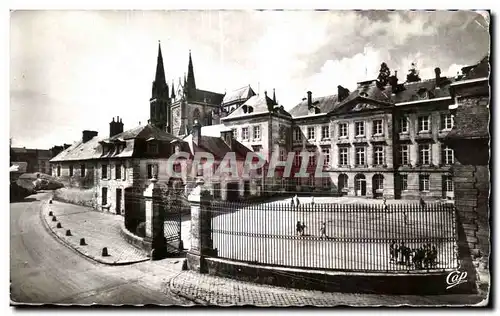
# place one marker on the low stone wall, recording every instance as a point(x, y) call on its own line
point(75, 196)
point(347, 282)
point(132, 239)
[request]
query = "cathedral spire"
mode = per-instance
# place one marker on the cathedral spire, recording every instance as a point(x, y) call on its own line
point(173, 90)
point(160, 70)
point(191, 84)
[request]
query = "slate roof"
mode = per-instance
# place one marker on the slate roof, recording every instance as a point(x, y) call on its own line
point(206, 97)
point(92, 149)
point(81, 151)
point(243, 93)
point(258, 104)
point(325, 105)
point(369, 90)
point(145, 132)
point(480, 70)
point(214, 144)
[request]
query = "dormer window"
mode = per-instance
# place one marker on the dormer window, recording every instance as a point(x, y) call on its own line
point(363, 94)
point(423, 94)
point(153, 148)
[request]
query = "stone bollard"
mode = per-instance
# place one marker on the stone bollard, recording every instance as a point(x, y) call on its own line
point(68, 232)
point(105, 252)
point(82, 242)
point(54, 219)
point(59, 225)
point(51, 214)
point(50, 202)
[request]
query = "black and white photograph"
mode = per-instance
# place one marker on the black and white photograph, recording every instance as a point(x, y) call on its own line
point(257, 157)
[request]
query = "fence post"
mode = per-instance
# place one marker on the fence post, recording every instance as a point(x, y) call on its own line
point(201, 231)
point(154, 220)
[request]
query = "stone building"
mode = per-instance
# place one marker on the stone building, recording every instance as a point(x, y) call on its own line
point(219, 142)
point(470, 139)
point(111, 165)
point(37, 160)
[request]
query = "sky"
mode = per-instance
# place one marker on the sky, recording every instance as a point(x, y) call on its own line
point(75, 70)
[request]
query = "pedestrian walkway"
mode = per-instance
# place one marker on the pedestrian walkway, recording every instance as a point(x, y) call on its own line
point(211, 290)
point(99, 230)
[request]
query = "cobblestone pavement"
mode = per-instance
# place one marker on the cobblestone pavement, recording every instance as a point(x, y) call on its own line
point(210, 290)
point(99, 230)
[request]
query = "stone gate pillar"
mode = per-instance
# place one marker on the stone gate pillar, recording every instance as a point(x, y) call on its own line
point(154, 220)
point(201, 235)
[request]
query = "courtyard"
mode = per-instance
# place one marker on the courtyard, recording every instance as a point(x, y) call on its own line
point(352, 238)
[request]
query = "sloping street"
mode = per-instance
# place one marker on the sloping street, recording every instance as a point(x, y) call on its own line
point(42, 270)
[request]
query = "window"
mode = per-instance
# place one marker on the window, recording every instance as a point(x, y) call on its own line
point(326, 182)
point(151, 171)
point(447, 156)
point(404, 155)
point(447, 121)
point(217, 193)
point(70, 170)
point(326, 156)
point(235, 132)
point(118, 171)
point(82, 170)
point(403, 182)
point(104, 196)
point(297, 158)
point(378, 127)
point(311, 181)
point(104, 171)
point(282, 154)
point(343, 156)
point(58, 171)
point(448, 183)
point(343, 130)
point(378, 155)
point(424, 151)
point(310, 133)
point(256, 132)
point(325, 132)
point(404, 126)
point(360, 156)
point(424, 183)
point(360, 128)
point(152, 148)
point(424, 123)
point(177, 167)
point(297, 134)
point(312, 159)
point(244, 133)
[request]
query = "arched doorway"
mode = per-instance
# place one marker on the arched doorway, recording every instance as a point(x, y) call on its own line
point(360, 185)
point(342, 184)
point(378, 185)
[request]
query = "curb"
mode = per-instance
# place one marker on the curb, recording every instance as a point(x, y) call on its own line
point(186, 296)
point(67, 244)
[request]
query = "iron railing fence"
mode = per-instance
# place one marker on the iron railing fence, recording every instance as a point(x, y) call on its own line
point(344, 237)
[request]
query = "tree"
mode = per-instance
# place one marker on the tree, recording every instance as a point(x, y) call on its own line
point(383, 77)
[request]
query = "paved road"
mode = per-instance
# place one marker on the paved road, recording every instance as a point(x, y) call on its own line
point(42, 270)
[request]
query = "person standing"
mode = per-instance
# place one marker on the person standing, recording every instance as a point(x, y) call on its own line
point(322, 230)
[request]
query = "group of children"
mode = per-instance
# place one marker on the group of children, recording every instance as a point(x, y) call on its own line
point(423, 257)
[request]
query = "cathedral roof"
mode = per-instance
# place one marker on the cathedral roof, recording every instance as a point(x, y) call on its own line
point(241, 94)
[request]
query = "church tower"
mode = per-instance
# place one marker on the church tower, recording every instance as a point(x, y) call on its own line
point(160, 98)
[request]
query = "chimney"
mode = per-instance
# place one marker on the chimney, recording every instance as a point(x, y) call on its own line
point(196, 132)
point(342, 93)
point(393, 81)
point(88, 135)
point(437, 71)
point(309, 99)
